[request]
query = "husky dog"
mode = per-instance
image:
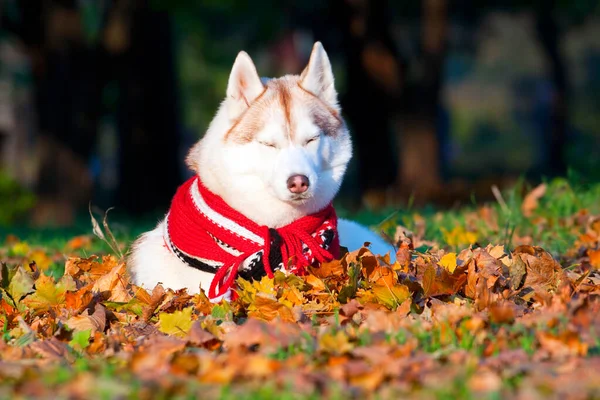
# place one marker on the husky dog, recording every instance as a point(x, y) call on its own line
point(275, 152)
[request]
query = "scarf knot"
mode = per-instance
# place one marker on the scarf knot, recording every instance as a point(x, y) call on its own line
point(207, 234)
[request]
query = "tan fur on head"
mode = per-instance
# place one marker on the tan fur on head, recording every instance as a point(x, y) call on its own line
point(283, 93)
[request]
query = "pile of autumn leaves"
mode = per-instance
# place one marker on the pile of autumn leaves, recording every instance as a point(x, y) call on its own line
point(483, 320)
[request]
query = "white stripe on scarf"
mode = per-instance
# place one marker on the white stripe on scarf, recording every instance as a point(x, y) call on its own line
point(221, 220)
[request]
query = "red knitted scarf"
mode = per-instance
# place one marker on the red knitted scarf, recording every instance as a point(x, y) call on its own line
point(207, 234)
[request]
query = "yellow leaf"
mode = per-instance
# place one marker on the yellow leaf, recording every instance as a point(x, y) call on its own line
point(448, 261)
point(177, 324)
point(391, 296)
point(292, 297)
point(41, 259)
point(459, 236)
point(20, 284)
point(335, 343)
point(48, 293)
point(20, 249)
point(248, 290)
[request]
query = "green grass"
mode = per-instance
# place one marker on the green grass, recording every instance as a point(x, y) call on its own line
point(561, 202)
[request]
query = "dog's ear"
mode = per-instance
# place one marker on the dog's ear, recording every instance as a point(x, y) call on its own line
point(317, 77)
point(244, 85)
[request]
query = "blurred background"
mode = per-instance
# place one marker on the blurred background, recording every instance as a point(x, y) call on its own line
point(101, 99)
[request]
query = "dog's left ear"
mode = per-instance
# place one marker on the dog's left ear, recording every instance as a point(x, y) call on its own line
point(317, 77)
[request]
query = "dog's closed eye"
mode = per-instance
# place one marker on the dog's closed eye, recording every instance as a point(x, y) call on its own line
point(268, 144)
point(312, 139)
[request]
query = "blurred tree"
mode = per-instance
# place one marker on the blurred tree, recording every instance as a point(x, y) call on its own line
point(77, 48)
point(140, 58)
point(387, 93)
point(66, 90)
point(374, 80)
point(549, 34)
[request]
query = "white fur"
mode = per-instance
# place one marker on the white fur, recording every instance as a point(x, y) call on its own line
point(251, 176)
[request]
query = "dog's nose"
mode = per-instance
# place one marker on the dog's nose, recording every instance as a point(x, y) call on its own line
point(298, 183)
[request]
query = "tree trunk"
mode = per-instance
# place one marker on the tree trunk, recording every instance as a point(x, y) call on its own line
point(373, 74)
point(420, 155)
point(147, 115)
point(549, 33)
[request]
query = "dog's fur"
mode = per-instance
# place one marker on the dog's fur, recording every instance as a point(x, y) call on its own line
point(264, 132)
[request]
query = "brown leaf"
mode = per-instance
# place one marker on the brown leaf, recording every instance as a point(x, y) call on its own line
point(429, 280)
point(487, 266)
point(200, 337)
point(437, 281)
point(530, 202)
point(517, 273)
point(259, 366)
point(486, 381)
point(562, 345)
point(79, 242)
point(158, 295)
point(95, 322)
point(502, 313)
point(350, 308)
point(153, 359)
point(266, 335)
point(329, 269)
point(77, 301)
point(52, 349)
point(472, 278)
point(403, 256)
point(114, 282)
point(383, 276)
point(267, 309)
point(544, 274)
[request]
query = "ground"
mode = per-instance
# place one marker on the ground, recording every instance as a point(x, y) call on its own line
point(486, 301)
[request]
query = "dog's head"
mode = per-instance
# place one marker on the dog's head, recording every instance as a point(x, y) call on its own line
point(277, 149)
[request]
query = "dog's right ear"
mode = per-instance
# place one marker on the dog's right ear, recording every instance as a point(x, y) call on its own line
point(244, 85)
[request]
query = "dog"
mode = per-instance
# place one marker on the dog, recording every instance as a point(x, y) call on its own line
point(266, 171)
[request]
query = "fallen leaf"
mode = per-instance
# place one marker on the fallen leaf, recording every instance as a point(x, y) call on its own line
point(84, 322)
point(517, 272)
point(531, 200)
point(383, 276)
point(52, 349)
point(543, 272)
point(198, 336)
point(459, 236)
point(20, 285)
point(448, 261)
point(48, 293)
point(79, 242)
point(267, 309)
point(177, 323)
point(115, 283)
point(594, 256)
point(391, 296)
point(502, 313)
point(268, 336)
point(335, 343)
